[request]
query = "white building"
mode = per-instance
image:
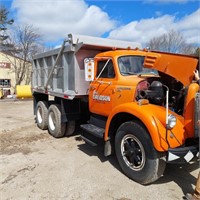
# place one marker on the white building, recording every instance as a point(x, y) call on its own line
point(8, 73)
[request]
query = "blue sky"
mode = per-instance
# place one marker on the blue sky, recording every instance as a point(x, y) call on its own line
point(132, 20)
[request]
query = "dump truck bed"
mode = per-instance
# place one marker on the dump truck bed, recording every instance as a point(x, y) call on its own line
point(60, 72)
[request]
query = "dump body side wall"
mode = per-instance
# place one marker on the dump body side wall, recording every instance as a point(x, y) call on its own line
point(68, 76)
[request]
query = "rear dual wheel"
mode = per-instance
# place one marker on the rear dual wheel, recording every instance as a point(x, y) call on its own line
point(55, 125)
point(42, 115)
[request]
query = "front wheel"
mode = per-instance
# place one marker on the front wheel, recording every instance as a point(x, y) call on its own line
point(136, 155)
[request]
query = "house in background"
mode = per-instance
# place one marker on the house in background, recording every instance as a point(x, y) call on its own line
point(11, 68)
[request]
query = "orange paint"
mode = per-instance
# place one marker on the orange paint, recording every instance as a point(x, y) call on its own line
point(111, 96)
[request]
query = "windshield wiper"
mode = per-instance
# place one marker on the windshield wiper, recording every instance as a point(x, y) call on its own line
point(147, 73)
point(129, 73)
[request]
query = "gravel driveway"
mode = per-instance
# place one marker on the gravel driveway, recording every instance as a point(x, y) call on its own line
point(33, 165)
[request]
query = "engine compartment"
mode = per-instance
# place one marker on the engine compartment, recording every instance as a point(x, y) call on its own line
point(154, 89)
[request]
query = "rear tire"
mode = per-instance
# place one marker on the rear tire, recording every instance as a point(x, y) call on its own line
point(70, 128)
point(136, 154)
point(55, 126)
point(42, 115)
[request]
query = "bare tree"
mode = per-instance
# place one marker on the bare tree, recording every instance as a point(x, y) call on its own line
point(172, 41)
point(26, 43)
point(197, 53)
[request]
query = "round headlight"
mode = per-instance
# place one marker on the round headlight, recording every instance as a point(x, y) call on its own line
point(171, 121)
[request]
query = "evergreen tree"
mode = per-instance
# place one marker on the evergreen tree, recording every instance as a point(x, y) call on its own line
point(4, 21)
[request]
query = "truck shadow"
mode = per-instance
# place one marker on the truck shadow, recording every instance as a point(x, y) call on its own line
point(181, 175)
point(97, 151)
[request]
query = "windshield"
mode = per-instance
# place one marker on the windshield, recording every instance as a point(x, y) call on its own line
point(129, 65)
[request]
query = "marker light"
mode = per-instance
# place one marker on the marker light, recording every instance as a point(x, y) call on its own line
point(89, 69)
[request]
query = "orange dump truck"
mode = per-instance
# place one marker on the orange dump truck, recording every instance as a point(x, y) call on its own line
point(141, 105)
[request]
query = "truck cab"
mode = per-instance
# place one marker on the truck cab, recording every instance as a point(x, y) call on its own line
point(114, 83)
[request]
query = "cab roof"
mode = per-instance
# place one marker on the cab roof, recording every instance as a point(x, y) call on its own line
point(125, 52)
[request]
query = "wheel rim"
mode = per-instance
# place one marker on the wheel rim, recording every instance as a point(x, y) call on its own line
point(133, 152)
point(39, 115)
point(51, 121)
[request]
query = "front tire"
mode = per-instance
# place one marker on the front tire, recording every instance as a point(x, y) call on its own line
point(55, 126)
point(136, 154)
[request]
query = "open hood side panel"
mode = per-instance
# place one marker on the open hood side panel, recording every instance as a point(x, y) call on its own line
point(180, 67)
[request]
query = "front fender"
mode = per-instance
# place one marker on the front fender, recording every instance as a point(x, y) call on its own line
point(154, 119)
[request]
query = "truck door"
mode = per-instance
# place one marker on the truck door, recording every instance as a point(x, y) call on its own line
point(102, 88)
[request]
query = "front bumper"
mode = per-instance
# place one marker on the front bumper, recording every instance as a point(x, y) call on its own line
point(183, 154)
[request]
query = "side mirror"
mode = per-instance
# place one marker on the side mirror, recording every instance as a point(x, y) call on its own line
point(89, 69)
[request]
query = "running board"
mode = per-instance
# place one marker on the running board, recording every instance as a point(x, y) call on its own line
point(92, 134)
point(93, 130)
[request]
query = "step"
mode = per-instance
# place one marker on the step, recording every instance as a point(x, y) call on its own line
point(93, 130)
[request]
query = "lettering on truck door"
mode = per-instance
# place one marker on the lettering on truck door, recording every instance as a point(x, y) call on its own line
point(102, 89)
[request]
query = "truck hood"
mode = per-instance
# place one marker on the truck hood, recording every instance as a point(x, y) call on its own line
point(180, 67)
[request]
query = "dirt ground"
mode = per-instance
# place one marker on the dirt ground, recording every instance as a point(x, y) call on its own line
point(33, 165)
